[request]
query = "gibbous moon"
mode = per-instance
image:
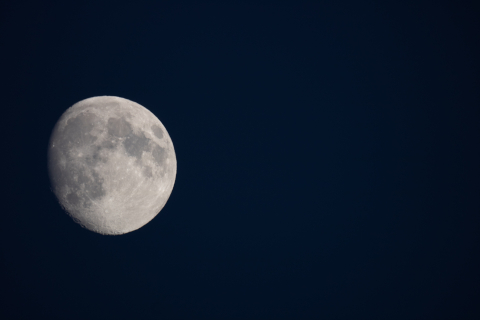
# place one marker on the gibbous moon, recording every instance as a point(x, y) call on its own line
point(111, 164)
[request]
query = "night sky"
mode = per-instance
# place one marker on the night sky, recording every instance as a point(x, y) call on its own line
point(328, 159)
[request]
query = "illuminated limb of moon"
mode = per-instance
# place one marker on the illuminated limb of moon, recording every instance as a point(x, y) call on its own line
point(112, 164)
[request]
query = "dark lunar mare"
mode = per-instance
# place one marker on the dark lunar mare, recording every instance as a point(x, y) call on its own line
point(74, 180)
point(91, 144)
point(119, 127)
point(136, 144)
point(159, 154)
point(157, 131)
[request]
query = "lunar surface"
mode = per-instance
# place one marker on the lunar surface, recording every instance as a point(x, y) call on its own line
point(111, 163)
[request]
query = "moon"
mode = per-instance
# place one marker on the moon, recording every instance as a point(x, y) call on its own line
point(111, 163)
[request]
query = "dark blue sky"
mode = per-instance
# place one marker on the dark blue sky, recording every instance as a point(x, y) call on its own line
point(328, 159)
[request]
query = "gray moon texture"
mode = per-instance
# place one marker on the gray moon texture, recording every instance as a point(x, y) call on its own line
point(111, 164)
